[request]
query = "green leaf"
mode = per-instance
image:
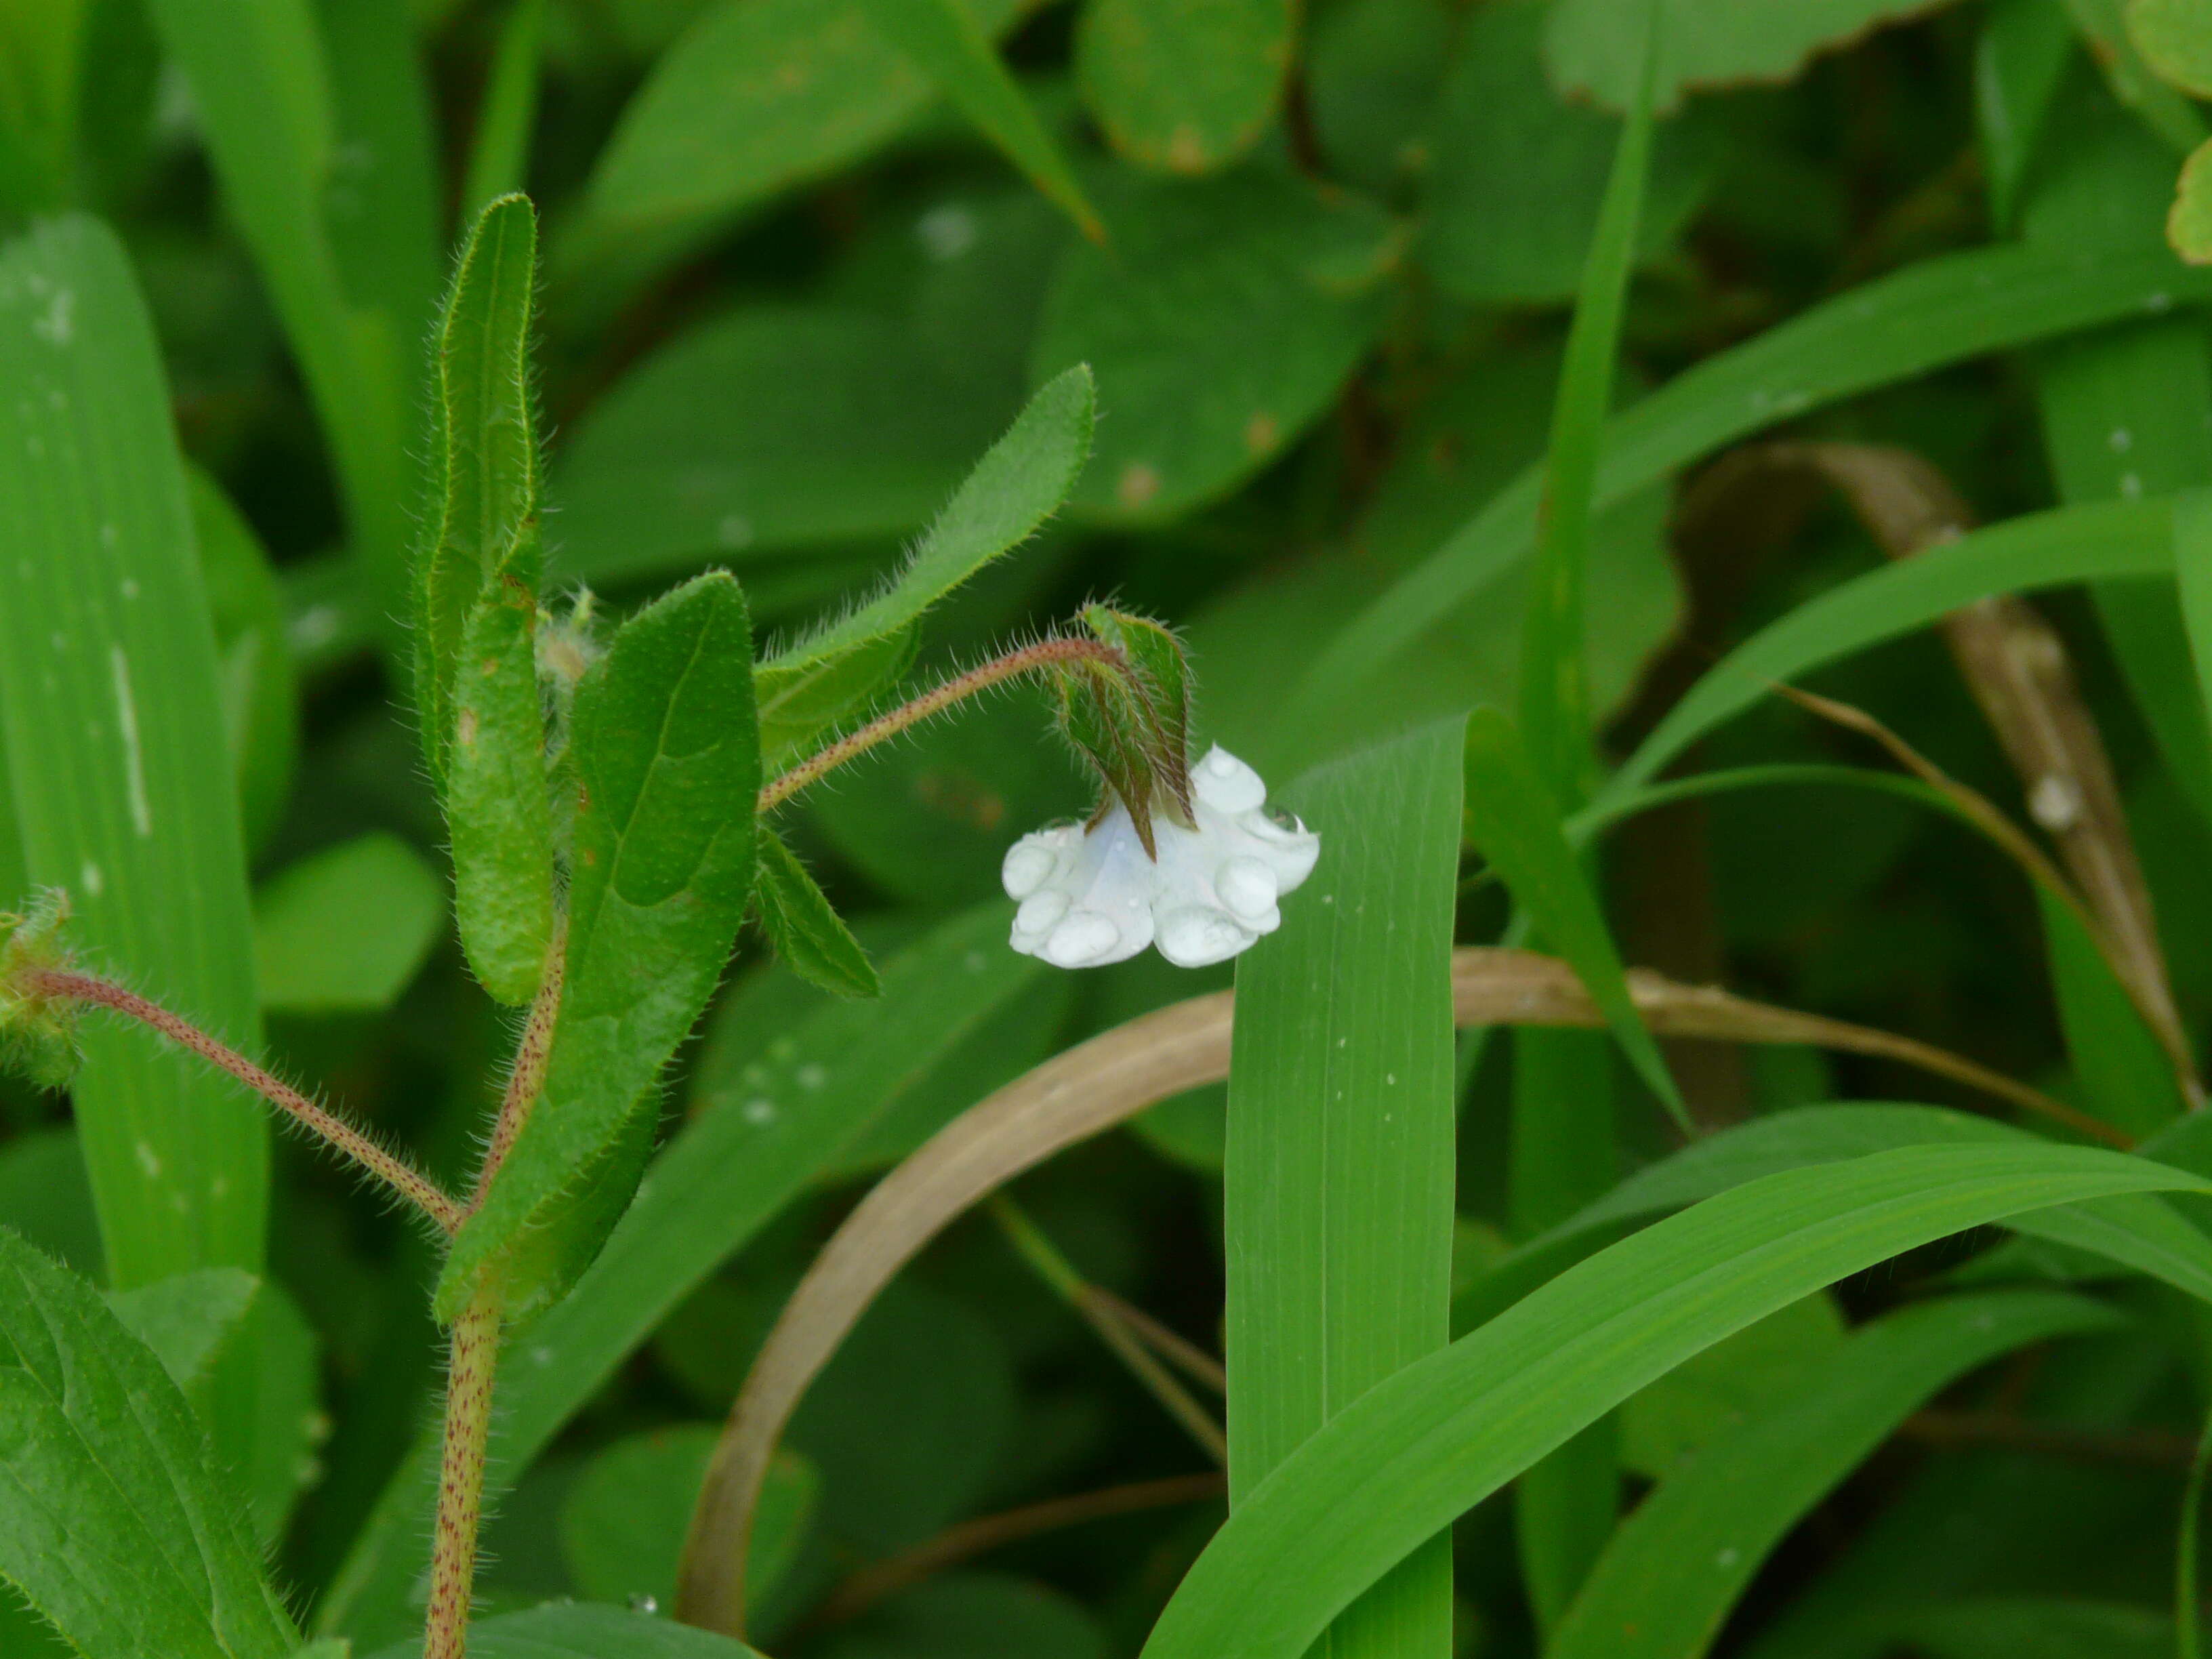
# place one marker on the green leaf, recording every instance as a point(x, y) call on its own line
point(1183, 86)
point(2023, 53)
point(115, 1523)
point(1513, 192)
point(280, 128)
point(260, 713)
point(1678, 1564)
point(1338, 1184)
point(1222, 321)
point(2175, 38)
point(1398, 1465)
point(499, 160)
point(120, 782)
point(1594, 46)
point(1936, 312)
point(667, 760)
point(187, 1318)
point(962, 1614)
point(809, 936)
point(2035, 551)
point(1515, 821)
point(2126, 1078)
point(766, 1123)
point(2189, 226)
point(1017, 485)
point(1666, 1427)
point(482, 522)
point(577, 1630)
point(2032, 1627)
point(623, 1522)
point(757, 96)
point(1555, 704)
point(799, 703)
point(946, 39)
point(498, 796)
point(346, 930)
point(44, 1196)
point(774, 428)
point(2160, 107)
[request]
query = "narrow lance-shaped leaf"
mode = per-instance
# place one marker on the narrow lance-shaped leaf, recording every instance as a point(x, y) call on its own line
point(807, 931)
point(115, 1523)
point(1014, 488)
point(1338, 1173)
point(667, 761)
point(949, 43)
point(1406, 1459)
point(1516, 824)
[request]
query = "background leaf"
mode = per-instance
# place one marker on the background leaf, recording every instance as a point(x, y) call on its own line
point(1184, 89)
point(345, 929)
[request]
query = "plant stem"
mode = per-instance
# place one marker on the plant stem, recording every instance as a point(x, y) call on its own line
point(1026, 661)
point(461, 1480)
point(1057, 1270)
point(526, 1078)
point(394, 1172)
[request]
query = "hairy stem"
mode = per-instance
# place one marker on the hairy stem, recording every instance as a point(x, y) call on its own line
point(526, 1078)
point(394, 1172)
point(1027, 660)
point(474, 1356)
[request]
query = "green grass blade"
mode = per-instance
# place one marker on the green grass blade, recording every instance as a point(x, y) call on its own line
point(1931, 314)
point(1339, 1159)
point(1679, 1564)
point(1515, 823)
point(264, 99)
point(120, 784)
point(2037, 551)
point(712, 1188)
point(1555, 716)
point(667, 760)
point(1400, 1464)
point(949, 44)
point(1014, 488)
point(114, 1522)
point(499, 161)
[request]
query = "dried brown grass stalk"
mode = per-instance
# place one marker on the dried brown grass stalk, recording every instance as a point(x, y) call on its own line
point(1105, 1081)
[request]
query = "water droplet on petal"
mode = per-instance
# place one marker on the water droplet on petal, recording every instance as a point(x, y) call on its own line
point(1247, 886)
point(1040, 910)
point(1084, 938)
point(1027, 868)
point(1197, 938)
point(1226, 784)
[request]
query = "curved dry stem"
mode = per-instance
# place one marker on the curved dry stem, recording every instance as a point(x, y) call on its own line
point(1105, 1081)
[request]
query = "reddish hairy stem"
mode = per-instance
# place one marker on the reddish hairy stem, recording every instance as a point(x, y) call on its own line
point(389, 1168)
point(460, 1478)
point(1027, 660)
point(527, 1077)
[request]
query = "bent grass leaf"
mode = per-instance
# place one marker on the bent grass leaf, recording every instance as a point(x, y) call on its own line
point(1935, 312)
point(115, 1523)
point(1183, 86)
point(809, 936)
point(944, 38)
point(1338, 1184)
point(719, 1181)
point(120, 784)
point(1402, 1463)
point(1666, 1582)
point(1013, 489)
point(667, 760)
point(1513, 818)
point(482, 510)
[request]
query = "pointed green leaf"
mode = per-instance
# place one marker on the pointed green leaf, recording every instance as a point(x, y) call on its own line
point(1515, 821)
point(481, 519)
point(667, 760)
point(115, 1523)
point(1401, 1463)
point(949, 45)
point(497, 806)
point(1013, 489)
point(808, 934)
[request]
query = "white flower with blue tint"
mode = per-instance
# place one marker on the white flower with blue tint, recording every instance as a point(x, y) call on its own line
point(1092, 897)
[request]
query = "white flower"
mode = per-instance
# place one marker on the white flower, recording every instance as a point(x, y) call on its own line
point(1091, 897)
